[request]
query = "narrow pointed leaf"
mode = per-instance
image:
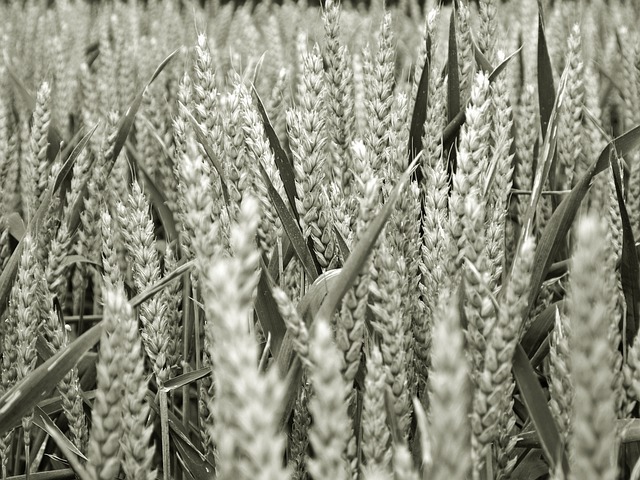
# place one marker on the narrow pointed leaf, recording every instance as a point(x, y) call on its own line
point(540, 328)
point(546, 88)
point(186, 378)
point(290, 227)
point(43, 421)
point(453, 85)
point(420, 109)
point(342, 244)
point(498, 70)
point(268, 313)
point(22, 397)
point(545, 161)
point(59, 474)
point(204, 141)
point(15, 225)
point(536, 403)
point(126, 122)
point(285, 168)
point(629, 260)
point(481, 60)
point(161, 284)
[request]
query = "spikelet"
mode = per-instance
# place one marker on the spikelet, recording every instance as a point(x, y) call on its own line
point(331, 430)
point(403, 235)
point(488, 23)
point(379, 95)
point(472, 160)
point(503, 341)
point(307, 141)
point(260, 153)
point(501, 175)
point(238, 172)
point(143, 257)
point(276, 103)
point(196, 205)
point(136, 434)
point(593, 440)
point(246, 402)
point(570, 111)
point(204, 88)
point(22, 325)
point(294, 324)
point(106, 416)
point(478, 306)
point(436, 239)
point(387, 297)
point(36, 165)
point(449, 395)
point(466, 61)
point(299, 438)
point(359, 94)
point(61, 243)
point(375, 433)
point(350, 325)
point(560, 384)
point(112, 275)
point(527, 134)
point(339, 102)
point(56, 336)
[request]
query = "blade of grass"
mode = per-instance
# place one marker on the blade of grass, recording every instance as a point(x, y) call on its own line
point(420, 110)
point(60, 474)
point(202, 140)
point(546, 160)
point(268, 313)
point(546, 87)
point(197, 464)
point(284, 165)
point(164, 433)
point(43, 421)
point(161, 284)
point(15, 225)
point(23, 396)
point(453, 84)
point(342, 244)
point(186, 378)
point(539, 412)
point(540, 328)
point(481, 60)
point(291, 228)
point(629, 261)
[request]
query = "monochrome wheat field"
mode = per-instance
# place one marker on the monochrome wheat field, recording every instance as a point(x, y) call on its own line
point(281, 241)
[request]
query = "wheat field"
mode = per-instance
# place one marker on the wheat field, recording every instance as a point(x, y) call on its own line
point(282, 241)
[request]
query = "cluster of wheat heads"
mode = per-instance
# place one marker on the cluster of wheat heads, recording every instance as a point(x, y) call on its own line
point(327, 243)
